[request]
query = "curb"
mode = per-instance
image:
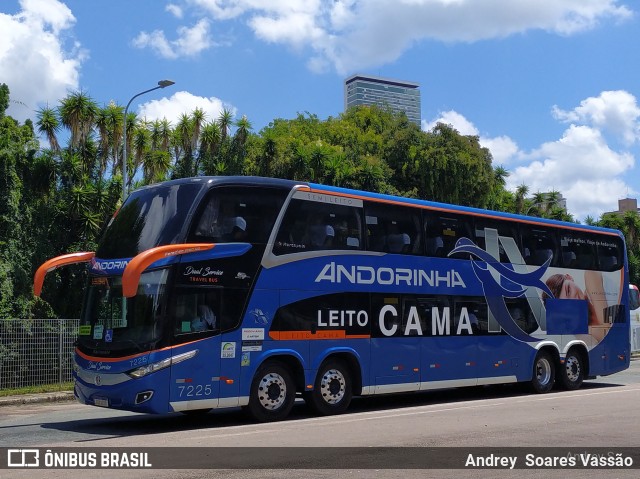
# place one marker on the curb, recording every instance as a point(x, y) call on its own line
point(59, 396)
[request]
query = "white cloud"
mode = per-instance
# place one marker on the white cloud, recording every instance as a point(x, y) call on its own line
point(455, 119)
point(613, 111)
point(183, 102)
point(503, 149)
point(352, 35)
point(174, 10)
point(190, 41)
point(35, 62)
point(580, 165)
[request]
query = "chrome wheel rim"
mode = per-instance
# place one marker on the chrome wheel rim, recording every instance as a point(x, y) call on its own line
point(572, 368)
point(543, 371)
point(333, 386)
point(272, 391)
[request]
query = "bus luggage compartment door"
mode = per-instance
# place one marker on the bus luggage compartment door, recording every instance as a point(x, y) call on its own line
point(195, 382)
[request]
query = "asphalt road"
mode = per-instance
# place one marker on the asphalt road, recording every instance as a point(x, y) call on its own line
point(603, 413)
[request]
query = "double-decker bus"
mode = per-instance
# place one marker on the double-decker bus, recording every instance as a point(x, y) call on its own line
point(217, 292)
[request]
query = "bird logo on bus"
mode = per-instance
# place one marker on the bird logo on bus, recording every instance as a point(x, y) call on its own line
point(499, 281)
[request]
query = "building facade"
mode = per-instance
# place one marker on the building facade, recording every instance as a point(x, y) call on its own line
point(626, 204)
point(383, 92)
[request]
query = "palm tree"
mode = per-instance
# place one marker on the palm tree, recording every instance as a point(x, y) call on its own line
point(130, 125)
point(225, 120)
point(181, 142)
point(156, 166)
point(109, 123)
point(210, 138)
point(209, 144)
point(165, 134)
point(77, 113)
point(244, 126)
point(48, 124)
point(141, 145)
point(521, 194)
point(197, 118)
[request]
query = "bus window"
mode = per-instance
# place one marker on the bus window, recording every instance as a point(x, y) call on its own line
point(443, 232)
point(520, 311)
point(393, 229)
point(609, 254)
point(314, 225)
point(578, 250)
point(230, 214)
point(539, 246)
point(206, 310)
point(493, 229)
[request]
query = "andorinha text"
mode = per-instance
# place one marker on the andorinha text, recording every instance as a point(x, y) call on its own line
point(338, 273)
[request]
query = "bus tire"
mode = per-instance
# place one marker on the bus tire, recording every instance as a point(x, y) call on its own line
point(273, 393)
point(571, 373)
point(544, 372)
point(332, 391)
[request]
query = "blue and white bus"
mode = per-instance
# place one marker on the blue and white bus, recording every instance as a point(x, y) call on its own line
point(218, 292)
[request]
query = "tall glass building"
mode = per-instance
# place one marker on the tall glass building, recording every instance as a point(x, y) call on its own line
point(397, 95)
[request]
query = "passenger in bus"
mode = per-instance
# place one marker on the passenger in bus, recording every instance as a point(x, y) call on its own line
point(396, 241)
point(319, 234)
point(237, 230)
point(207, 316)
point(563, 286)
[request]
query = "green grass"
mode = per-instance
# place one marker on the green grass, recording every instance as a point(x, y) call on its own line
point(45, 388)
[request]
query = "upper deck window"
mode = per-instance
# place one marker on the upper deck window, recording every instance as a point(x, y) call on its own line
point(237, 214)
point(393, 228)
point(318, 225)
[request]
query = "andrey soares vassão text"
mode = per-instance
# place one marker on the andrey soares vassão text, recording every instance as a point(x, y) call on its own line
point(584, 459)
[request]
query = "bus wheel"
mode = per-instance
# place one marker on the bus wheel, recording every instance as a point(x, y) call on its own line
point(571, 374)
point(332, 390)
point(272, 393)
point(543, 373)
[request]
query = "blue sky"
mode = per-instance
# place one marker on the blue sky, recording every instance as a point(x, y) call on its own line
point(551, 87)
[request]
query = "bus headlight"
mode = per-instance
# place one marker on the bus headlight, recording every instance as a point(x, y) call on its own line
point(165, 363)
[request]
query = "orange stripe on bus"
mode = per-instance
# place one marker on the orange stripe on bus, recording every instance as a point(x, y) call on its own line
point(297, 335)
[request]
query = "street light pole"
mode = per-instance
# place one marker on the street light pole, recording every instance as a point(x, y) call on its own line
point(161, 84)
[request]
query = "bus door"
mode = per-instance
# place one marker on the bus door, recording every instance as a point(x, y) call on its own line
point(395, 345)
point(196, 356)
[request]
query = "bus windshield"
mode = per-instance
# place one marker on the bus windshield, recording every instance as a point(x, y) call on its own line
point(111, 322)
point(150, 217)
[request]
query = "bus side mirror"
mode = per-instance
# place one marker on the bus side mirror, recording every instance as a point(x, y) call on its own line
point(53, 263)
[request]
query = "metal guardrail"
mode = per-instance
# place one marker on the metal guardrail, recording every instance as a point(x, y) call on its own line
point(34, 352)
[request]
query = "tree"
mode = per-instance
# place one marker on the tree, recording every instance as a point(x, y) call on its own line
point(521, 193)
point(20, 202)
point(49, 125)
point(78, 112)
